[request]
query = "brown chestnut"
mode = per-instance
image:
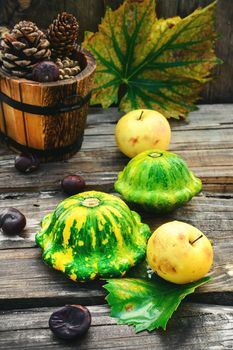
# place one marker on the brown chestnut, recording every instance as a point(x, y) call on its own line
point(70, 322)
point(27, 162)
point(12, 221)
point(45, 72)
point(73, 184)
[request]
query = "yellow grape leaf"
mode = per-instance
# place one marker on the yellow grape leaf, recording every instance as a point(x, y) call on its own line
point(146, 62)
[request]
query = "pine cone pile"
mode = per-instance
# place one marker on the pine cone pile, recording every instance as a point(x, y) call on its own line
point(24, 47)
point(68, 68)
point(63, 34)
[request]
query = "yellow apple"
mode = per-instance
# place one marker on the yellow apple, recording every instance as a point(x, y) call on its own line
point(140, 130)
point(179, 252)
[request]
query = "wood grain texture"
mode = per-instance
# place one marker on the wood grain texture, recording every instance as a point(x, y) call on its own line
point(13, 121)
point(211, 325)
point(51, 131)
point(114, 4)
point(221, 88)
point(34, 283)
point(88, 12)
point(7, 10)
point(38, 11)
point(210, 212)
point(204, 141)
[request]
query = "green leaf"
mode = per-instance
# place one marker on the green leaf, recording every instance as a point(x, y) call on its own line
point(146, 304)
point(146, 62)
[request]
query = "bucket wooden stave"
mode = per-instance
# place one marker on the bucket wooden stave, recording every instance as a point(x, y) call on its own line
point(52, 137)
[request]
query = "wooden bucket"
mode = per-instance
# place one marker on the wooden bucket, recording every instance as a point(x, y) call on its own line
point(47, 119)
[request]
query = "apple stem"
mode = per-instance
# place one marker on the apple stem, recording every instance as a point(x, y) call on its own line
point(196, 239)
point(141, 115)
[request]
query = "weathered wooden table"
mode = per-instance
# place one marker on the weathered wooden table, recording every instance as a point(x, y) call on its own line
point(30, 291)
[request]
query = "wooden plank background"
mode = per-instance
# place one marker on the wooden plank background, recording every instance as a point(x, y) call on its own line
point(89, 13)
point(31, 291)
point(194, 326)
point(204, 141)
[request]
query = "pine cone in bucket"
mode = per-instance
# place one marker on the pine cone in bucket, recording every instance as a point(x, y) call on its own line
point(23, 48)
point(63, 34)
point(3, 31)
point(68, 68)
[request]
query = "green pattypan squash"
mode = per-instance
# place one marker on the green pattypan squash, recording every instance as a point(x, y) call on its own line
point(93, 234)
point(158, 181)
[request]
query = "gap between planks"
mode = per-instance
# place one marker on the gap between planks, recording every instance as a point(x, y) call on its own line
point(193, 326)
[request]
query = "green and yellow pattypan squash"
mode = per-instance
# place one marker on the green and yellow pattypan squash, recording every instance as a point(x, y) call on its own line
point(93, 234)
point(158, 181)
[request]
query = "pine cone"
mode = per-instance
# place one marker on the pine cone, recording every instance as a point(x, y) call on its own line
point(68, 68)
point(62, 34)
point(3, 31)
point(23, 48)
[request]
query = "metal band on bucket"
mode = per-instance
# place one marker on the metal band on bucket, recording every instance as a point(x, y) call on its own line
point(43, 153)
point(46, 110)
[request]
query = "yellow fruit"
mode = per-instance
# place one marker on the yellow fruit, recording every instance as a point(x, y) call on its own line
point(140, 130)
point(179, 252)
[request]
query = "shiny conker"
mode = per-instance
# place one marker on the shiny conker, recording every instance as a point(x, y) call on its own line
point(12, 221)
point(45, 72)
point(70, 322)
point(73, 184)
point(27, 162)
